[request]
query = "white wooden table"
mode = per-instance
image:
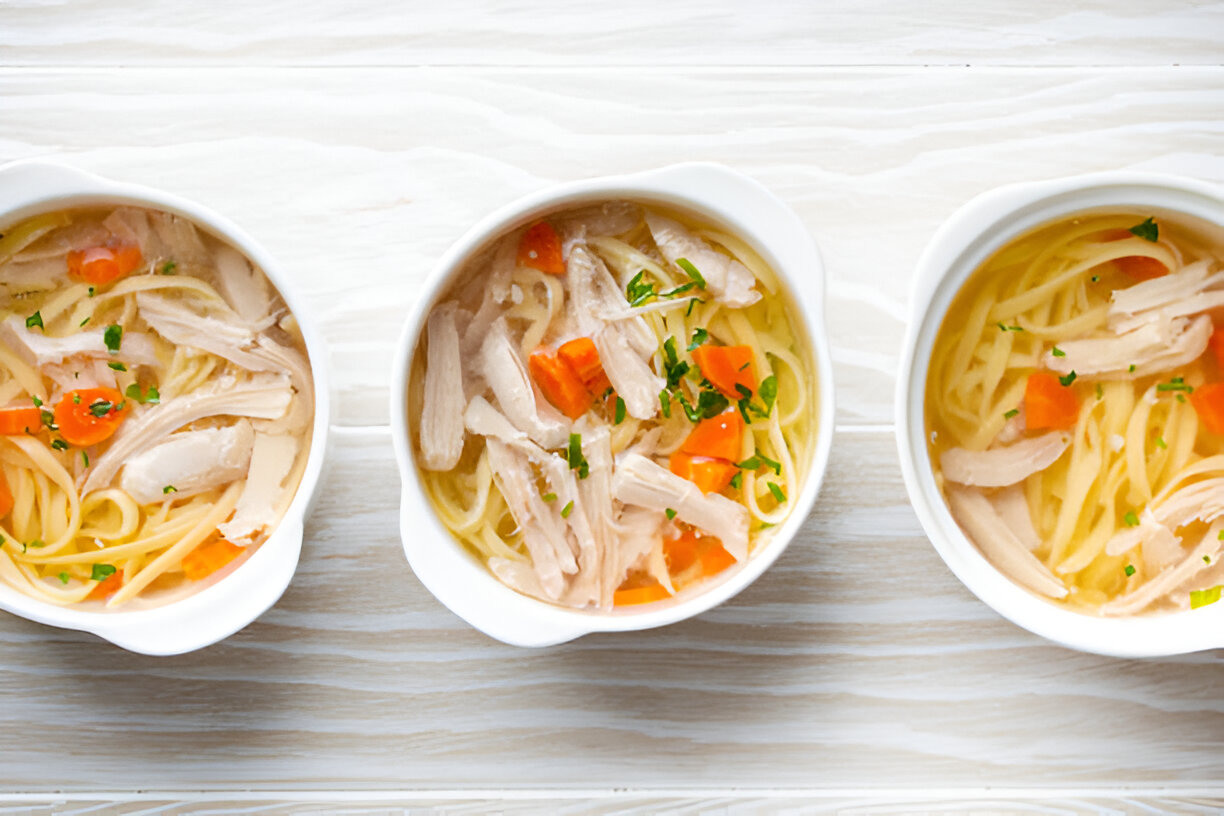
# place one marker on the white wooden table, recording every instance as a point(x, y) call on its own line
point(357, 140)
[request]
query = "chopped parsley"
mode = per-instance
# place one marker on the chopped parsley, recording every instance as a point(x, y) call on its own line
point(620, 412)
point(151, 396)
point(710, 403)
point(1130, 570)
point(1067, 380)
point(48, 419)
point(665, 401)
point(768, 391)
point(575, 458)
point(671, 514)
point(117, 366)
point(101, 572)
point(759, 460)
point(1009, 328)
point(101, 408)
point(168, 268)
point(1100, 392)
point(699, 336)
point(168, 489)
point(1203, 597)
point(35, 320)
point(37, 402)
point(549, 497)
point(91, 291)
point(777, 493)
point(673, 366)
point(1176, 384)
point(113, 336)
point(1057, 352)
point(692, 302)
point(1096, 278)
point(567, 509)
point(59, 444)
point(1160, 443)
point(38, 542)
point(1131, 519)
point(85, 458)
point(83, 322)
point(1009, 414)
point(691, 271)
point(737, 480)
point(1148, 230)
point(63, 576)
point(1131, 370)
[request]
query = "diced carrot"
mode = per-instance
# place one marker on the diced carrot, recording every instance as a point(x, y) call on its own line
point(540, 248)
point(6, 496)
point(19, 419)
point(1048, 403)
point(107, 587)
point(714, 559)
point(209, 557)
point(1216, 344)
point(582, 356)
point(1141, 267)
point(680, 553)
point(711, 475)
point(640, 595)
point(561, 386)
point(101, 265)
point(719, 437)
point(1208, 402)
point(726, 367)
point(88, 416)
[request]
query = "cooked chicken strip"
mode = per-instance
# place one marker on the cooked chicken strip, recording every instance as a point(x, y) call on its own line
point(1159, 344)
point(188, 463)
point(506, 374)
point(728, 280)
point(629, 374)
point(1003, 466)
point(441, 431)
point(38, 350)
point(258, 507)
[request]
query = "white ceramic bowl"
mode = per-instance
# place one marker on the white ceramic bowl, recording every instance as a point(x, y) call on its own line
point(711, 193)
point(959, 247)
point(215, 612)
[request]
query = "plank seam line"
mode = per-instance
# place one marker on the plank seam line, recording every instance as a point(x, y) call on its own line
point(873, 794)
point(385, 430)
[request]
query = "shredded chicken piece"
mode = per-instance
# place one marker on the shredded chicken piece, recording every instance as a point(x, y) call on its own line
point(727, 279)
point(1012, 506)
point(974, 513)
point(1171, 578)
point(542, 529)
point(506, 374)
point(629, 374)
point(244, 288)
point(1184, 292)
point(441, 430)
point(264, 396)
point(639, 529)
point(178, 239)
point(189, 462)
point(1003, 466)
point(39, 350)
point(183, 326)
point(1158, 344)
point(497, 289)
point(271, 460)
point(1167, 512)
point(641, 482)
point(595, 500)
point(595, 299)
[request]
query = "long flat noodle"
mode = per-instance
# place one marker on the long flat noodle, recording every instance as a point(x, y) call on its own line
point(150, 283)
point(172, 556)
point(47, 464)
point(24, 373)
point(164, 537)
point(13, 576)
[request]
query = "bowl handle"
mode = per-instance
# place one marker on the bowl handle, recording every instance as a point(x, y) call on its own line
point(215, 612)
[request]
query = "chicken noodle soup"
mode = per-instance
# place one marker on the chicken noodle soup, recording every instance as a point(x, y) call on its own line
point(610, 406)
point(155, 405)
point(1075, 411)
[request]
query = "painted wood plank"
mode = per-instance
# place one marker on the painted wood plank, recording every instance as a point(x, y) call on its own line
point(358, 180)
point(631, 32)
point(857, 661)
point(629, 804)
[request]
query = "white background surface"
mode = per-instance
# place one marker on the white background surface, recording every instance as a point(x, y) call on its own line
point(357, 140)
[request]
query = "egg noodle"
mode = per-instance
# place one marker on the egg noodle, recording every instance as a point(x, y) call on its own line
point(59, 544)
point(467, 498)
point(1136, 437)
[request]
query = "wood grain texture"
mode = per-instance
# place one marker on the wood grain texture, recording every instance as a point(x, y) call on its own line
point(357, 141)
point(857, 661)
point(598, 33)
point(358, 180)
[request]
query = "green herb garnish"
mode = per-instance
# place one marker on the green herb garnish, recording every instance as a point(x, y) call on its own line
point(1160, 443)
point(777, 492)
point(1131, 519)
point(665, 401)
point(83, 322)
point(1147, 230)
point(1002, 327)
point(1130, 570)
point(101, 408)
point(737, 480)
point(1176, 384)
point(152, 396)
point(1009, 414)
point(575, 458)
point(1057, 352)
point(619, 416)
point(549, 497)
point(1203, 597)
point(567, 509)
point(1067, 380)
point(168, 268)
point(59, 444)
point(691, 271)
point(1131, 370)
point(113, 336)
point(101, 572)
point(117, 366)
point(63, 576)
point(671, 514)
point(35, 320)
point(699, 336)
point(169, 489)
